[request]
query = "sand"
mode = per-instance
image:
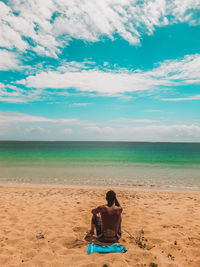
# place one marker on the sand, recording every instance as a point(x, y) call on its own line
point(47, 225)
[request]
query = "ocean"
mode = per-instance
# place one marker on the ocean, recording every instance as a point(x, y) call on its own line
point(146, 165)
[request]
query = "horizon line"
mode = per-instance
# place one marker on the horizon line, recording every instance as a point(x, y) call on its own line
point(101, 141)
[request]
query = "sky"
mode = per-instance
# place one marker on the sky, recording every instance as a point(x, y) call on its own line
point(109, 70)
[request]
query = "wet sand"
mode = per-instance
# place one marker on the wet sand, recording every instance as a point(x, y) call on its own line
point(47, 225)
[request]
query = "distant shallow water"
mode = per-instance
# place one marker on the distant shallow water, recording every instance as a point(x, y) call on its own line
point(173, 166)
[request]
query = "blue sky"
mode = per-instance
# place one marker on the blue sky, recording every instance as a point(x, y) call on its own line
point(100, 70)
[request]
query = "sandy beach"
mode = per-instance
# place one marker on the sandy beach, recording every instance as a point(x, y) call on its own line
point(47, 225)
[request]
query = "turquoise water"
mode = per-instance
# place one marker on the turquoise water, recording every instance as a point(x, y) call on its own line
point(165, 153)
point(129, 164)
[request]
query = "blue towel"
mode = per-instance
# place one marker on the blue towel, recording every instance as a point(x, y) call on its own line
point(105, 249)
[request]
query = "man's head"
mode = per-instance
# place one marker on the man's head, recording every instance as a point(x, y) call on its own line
point(110, 196)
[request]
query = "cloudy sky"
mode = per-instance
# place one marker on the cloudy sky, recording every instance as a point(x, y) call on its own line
point(100, 70)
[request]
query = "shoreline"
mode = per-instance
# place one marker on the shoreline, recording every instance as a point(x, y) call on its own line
point(125, 176)
point(59, 185)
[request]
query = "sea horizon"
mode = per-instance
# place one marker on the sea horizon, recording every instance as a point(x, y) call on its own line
point(110, 141)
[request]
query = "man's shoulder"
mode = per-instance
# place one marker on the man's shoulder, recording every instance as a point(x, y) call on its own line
point(102, 207)
point(114, 209)
point(106, 208)
point(119, 209)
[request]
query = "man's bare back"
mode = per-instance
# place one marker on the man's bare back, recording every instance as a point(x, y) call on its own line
point(109, 218)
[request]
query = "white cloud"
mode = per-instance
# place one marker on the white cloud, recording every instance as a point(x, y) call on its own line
point(31, 22)
point(51, 24)
point(67, 131)
point(8, 60)
point(195, 97)
point(153, 110)
point(13, 94)
point(13, 117)
point(13, 99)
point(21, 126)
point(185, 70)
point(94, 81)
point(90, 19)
point(86, 77)
point(80, 104)
point(16, 117)
point(184, 10)
point(176, 133)
point(131, 121)
point(102, 131)
point(117, 81)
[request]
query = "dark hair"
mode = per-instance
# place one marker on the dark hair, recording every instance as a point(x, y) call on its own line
point(111, 197)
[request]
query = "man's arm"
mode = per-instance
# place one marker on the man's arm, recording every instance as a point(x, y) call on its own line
point(97, 210)
point(117, 202)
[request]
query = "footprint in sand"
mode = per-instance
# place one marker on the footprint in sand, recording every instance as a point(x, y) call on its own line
point(79, 229)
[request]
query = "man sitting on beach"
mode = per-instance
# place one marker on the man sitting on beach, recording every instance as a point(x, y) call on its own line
point(107, 219)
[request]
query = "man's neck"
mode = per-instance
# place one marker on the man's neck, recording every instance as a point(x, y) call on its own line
point(110, 204)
